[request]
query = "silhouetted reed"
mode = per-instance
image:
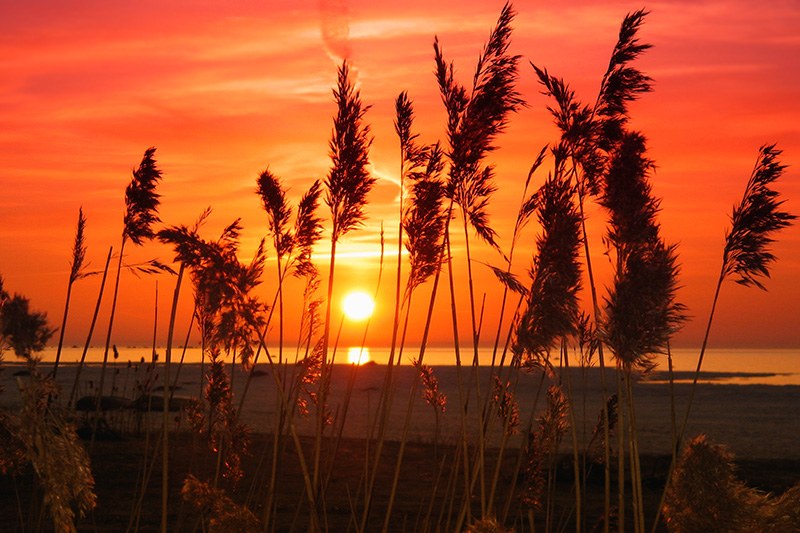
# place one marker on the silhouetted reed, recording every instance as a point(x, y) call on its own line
point(746, 254)
point(542, 446)
point(77, 271)
point(348, 182)
point(551, 311)
point(141, 213)
point(641, 312)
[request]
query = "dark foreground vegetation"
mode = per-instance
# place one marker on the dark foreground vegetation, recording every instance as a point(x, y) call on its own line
point(117, 466)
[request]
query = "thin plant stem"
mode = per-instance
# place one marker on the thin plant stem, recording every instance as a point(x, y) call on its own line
point(621, 453)
point(91, 329)
point(637, 470)
point(603, 381)
point(573, 425)
point(167, 398)
point(99, 396)
point(679, 437)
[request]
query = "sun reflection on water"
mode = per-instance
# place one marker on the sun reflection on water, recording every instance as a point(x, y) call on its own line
point(357, 355)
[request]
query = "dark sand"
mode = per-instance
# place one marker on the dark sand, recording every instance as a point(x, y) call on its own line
point(117, 467)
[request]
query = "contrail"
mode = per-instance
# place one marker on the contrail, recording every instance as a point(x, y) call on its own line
point(335, 29)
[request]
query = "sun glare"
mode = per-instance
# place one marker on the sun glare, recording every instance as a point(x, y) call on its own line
point(358, 305)
point(358, 355)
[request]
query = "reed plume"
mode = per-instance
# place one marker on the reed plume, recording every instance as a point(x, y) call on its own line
point(506, 405)
point(543, 444)
point(142, 200)
point(273, 200)
point(348, 181)
point(754, 221)
point(141, 213)
point(437, 400)
point(77, 271)
point(55, 451)
point(223, 515)
point(641, 311)
point(42, 433)
point(424, 221)
point(622, 83)
point(746, 255)
point(552, 308)
point(596, 446)
point(706, 495)
point(476, 118)
point(307, 230)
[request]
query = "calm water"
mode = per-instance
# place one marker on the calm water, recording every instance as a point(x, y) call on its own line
point(749, 400)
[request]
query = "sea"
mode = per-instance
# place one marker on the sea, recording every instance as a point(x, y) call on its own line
point(748, 400)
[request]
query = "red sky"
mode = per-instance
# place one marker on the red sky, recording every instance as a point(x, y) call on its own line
point(225, 89)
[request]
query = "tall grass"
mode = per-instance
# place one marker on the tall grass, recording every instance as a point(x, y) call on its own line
point(141, 214)
point(498, 471)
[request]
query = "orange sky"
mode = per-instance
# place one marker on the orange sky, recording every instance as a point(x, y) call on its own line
point(226, 89)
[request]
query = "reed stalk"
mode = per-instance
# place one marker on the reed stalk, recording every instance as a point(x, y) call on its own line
point(348, 184)
point(77, 271)
point(166, 402)
point(91, 329)
point(141, 201)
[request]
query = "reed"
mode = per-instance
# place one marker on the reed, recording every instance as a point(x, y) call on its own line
point(422, 221)
point(746, 255)
point(348, 183)
point(475, 119)
point(641, 313)
point(77, 271)
point(141, 214)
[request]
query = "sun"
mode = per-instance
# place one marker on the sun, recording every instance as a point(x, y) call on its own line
point(358, 355)
point(358, 305)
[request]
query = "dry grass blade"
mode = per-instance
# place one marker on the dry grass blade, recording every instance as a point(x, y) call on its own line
point(142, 200)
point(753, 222)
point(348, 181)
point(509, 280)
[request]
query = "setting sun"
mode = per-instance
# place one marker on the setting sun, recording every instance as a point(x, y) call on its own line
point(357, 355)
point(358, 305)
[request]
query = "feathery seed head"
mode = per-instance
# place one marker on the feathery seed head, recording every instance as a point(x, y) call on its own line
point(142, 200)
point(348, 181)
point(754, 222)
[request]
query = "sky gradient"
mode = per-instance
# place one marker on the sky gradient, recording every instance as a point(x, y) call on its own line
point(225, 90)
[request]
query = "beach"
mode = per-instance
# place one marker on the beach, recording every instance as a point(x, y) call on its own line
point(759, 424)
